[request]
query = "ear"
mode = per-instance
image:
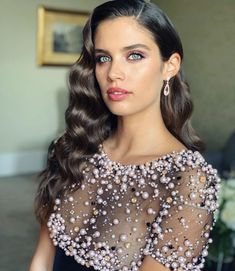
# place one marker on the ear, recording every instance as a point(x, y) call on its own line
point(172, 66)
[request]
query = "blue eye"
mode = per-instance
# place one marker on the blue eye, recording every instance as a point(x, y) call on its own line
point(137, 56)
point(101, 59)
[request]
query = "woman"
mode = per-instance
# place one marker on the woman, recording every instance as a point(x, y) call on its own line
point(125, 187)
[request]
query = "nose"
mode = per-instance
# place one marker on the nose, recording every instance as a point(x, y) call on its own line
point(116, 71)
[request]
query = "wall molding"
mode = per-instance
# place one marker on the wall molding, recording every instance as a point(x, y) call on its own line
point(18, 163)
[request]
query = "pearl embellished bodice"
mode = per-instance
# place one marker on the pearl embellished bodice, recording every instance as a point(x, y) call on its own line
point(121, 213)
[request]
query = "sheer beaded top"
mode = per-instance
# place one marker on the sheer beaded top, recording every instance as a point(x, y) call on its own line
point(121, 213)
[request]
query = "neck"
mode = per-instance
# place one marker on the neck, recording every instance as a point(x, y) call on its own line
point(141, 133)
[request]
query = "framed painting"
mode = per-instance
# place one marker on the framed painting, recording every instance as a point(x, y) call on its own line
point(59, 37)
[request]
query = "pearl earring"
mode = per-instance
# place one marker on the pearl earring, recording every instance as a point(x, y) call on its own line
point(166, 90)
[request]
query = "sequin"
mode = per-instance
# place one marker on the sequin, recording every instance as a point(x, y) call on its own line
point(134, 200)
point(169, 200)
point(202, 179)
point(122, 213)
point(127, 245)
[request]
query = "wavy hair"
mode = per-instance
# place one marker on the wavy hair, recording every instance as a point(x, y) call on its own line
point(88, 120)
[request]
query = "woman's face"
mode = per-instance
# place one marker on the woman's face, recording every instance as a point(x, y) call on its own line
point(137, 69)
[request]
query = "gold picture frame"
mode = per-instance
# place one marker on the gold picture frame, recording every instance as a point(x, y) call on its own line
point(59, 36)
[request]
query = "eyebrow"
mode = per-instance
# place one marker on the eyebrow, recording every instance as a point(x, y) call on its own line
point(130, 47)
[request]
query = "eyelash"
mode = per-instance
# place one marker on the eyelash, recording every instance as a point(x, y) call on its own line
point(97, 58)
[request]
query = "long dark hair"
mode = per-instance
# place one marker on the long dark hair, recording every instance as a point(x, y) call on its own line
point(88, 120)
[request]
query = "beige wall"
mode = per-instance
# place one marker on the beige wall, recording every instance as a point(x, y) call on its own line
point(32, 99)
point(207, 29)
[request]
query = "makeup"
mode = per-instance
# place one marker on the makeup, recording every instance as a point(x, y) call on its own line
point(117, 94)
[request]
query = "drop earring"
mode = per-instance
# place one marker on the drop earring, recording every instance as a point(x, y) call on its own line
point(166, 90)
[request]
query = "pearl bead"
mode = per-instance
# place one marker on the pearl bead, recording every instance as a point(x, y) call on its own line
point(163, 179)
point(150, 211)
point(145, 195)
point(96, 171)
point(128, 211)
point(119, 250)
point(72, 220)
point(86, 203)
point(115, 221)
point(154, 177)
point(82, 231)
point(109, 186)
point(134, 229)
point(180, 208)
point(96, 234)
point(174, 265)
point(187, 243)
point(100, 191)
point(193, 195)
point(188, 253)
point(180, 249)
point(182, 259)
point(71, 199)
point(123, 237)
point(57, 201)
point(165, 249)
point(204, 253)
point(117, 181)
point(124, 186)
point(93, 180)
point(100, 201)
point(155, 225)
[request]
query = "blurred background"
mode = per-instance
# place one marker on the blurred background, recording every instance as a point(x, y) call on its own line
point(33, 100)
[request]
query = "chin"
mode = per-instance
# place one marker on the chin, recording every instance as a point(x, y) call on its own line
point(119, 111)
point(122, 112)
point(122, 108)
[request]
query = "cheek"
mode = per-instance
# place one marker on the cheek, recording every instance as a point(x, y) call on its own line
point(150, 77)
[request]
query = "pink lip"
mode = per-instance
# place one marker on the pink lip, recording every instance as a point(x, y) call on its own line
point(117, 96)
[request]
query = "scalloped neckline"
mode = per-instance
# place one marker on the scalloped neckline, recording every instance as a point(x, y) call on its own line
point(147, 163)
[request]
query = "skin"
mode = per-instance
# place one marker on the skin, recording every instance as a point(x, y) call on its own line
point(139, 113)
point(143, 76)
point(43, 257)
